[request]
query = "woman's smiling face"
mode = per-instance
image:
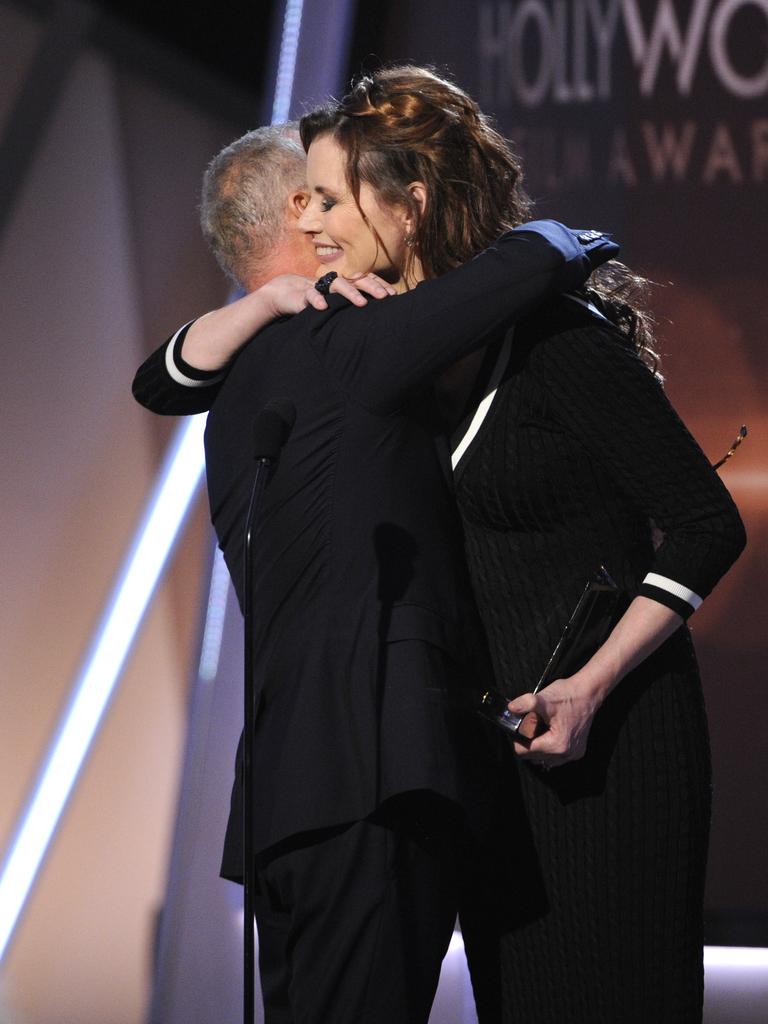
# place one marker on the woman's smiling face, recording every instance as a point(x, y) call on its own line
point(343, 241)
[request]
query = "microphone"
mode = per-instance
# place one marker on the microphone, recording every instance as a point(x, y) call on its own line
point(272, 427)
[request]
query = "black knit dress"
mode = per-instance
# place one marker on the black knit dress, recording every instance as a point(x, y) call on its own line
point(602, 862)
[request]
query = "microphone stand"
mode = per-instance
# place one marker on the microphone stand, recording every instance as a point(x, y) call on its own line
point(271, 430)
point(263, 466)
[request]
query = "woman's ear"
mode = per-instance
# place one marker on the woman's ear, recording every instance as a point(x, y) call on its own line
point(418, 191)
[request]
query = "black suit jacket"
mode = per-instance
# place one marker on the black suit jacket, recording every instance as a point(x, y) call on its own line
point(367, 638)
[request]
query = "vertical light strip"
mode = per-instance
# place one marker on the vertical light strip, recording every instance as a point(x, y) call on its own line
point(101, 668)
point(215, 616)
point(281, 109)
point(286, 67)
point(93, 687)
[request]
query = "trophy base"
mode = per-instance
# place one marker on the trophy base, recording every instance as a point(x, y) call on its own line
point(494, 707)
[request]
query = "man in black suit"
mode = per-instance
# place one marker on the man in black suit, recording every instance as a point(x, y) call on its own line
point(372, 771)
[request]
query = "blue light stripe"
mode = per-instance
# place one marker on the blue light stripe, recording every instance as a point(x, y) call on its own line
point(95, 683)
point(286, 68)
point(215, 616)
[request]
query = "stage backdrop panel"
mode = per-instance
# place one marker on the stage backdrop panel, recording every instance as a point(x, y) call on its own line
point(101, 255)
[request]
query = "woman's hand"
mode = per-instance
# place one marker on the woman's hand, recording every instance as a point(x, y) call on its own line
point(291, 293)
point(565, 710)
point(355, 288)
point(567, 707)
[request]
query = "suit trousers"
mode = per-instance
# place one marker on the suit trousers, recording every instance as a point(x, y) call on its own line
point(354, 921)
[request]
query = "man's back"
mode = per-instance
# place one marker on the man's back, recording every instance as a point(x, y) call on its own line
point(358, 549)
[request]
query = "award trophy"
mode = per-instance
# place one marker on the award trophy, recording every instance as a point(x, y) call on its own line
point(590, 623)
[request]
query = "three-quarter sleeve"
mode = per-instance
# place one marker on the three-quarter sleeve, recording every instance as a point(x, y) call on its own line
point(603, 394)
point(166, 384)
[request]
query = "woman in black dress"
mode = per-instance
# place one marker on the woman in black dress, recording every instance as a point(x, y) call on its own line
point(578, 453)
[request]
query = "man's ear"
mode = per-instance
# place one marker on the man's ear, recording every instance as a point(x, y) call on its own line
point(297, 201)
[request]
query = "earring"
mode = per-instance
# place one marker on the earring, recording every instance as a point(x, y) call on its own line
point(409, 239)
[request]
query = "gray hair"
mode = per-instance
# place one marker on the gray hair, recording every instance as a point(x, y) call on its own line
point(243, 201)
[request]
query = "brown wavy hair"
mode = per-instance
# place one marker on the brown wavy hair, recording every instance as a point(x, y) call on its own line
point(404, 124)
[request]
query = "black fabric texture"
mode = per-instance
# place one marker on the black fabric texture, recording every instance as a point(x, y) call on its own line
point(579, 451)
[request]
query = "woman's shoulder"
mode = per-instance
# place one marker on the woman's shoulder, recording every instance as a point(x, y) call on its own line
point(571, 311)
point(570, 330)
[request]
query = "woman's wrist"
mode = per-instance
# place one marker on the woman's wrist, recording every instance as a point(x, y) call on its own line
point(264, 303)
point(213, 339)
point(595, 681)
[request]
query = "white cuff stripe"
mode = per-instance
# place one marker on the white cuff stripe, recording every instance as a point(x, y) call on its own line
point(175, 373)
point(654, 580)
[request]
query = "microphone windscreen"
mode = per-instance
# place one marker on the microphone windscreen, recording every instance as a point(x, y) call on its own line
point(272, 427)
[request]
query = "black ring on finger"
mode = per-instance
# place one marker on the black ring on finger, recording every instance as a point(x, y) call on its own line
point(323, 284)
